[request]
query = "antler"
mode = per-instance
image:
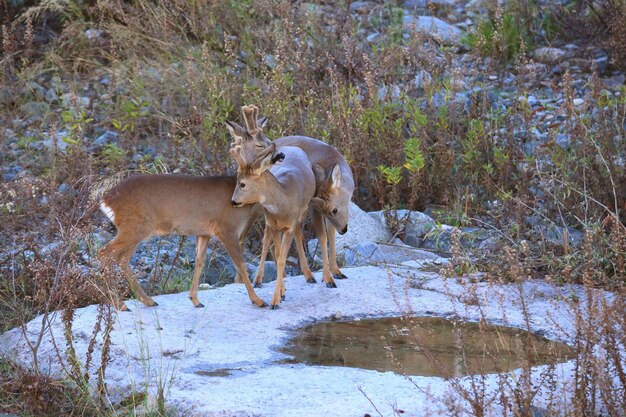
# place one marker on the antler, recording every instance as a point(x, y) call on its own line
point(237, 153)
point(250, 114)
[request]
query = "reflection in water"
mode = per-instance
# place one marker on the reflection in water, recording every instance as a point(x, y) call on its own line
point(423, 346)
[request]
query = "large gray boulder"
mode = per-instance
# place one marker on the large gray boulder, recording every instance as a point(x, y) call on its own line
point(434, 28)
point(362, 227)
point(411, 225)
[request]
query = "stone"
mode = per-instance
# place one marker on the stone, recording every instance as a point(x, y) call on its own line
point(362, 227)
point(425, 4)
point(615, 82)
point(35, 110)
point(70, 100)
point(106, 138)
point(549, 55)
point(269, 274)
point(51, 96)
point(362, 7)
point(39, 91)
point(408, 223)
point(6, 96)
point(434, 28)
point(94, 33)
point(362, 254)
point(392, 92)
point(218, 269)
point(578, 102)
point(422, 79)
point(57, 141)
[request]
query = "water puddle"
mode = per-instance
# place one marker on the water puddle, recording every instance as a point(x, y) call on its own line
point(425, 346)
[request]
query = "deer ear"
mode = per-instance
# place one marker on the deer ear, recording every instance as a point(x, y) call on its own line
point(262, 122)
point(236, 131)
point(317, 203)
point(336, 176)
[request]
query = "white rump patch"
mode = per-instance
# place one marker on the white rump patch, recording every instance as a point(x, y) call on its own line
point(108, 211)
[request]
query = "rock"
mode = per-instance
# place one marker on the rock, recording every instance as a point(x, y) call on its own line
point(51, 96)
point(549, 55)
point(362, 7)
point(269, 274)
point(370, 253)
point(362, 227)
point(615, 82)
point(413, 224)
point(392, 92)
point(218, 269)
point(57, 141)
point(70, 99)
point(35, 110)
point(39, 91)
point(425, 4)
point(6, 96)
point(578, 102)
point(363, 253)
point(435, 28)
point(94, 33)
point(373, 37)
point(106, 138)
point(563, 140)
point(270, 61)
point(422, 79)
point(440, 238)
point(556, 234)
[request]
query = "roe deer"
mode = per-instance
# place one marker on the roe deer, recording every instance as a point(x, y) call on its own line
point(147, 205)
point(284, 191)
point(335, 185)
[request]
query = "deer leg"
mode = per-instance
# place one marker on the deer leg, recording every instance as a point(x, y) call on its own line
point(234, 251)
point(277, 238)
point(334, 268)
point(304, 265)
point(267, 241)
point(132, 280)
point(201, 244)
point(320, 229)
point(107, 258)
point(279, 291)
point(120, 250)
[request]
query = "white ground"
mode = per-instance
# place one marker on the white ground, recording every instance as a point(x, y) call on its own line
point(174, 344)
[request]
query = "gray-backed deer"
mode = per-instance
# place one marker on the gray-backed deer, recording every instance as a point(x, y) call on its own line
point(146, 205)
point(284, 191)
point(335, 185)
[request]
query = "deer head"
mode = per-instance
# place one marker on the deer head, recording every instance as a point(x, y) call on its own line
point(251, 138)
point(331, 200)
point(249, 184)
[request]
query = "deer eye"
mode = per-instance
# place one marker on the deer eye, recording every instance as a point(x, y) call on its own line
point(334, 211)
point(242, 185)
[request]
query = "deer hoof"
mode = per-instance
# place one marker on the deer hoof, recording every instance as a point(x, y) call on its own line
point(340, 275)
point(282, 297)
point(257, 285)
point(263, 304)
point(275, 306)
point(331, 285)
point(311, 280)
point(199, 305)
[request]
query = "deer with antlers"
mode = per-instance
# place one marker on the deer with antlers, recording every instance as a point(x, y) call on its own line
point(334, 188)
point(147, 205)
point(283, 190)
